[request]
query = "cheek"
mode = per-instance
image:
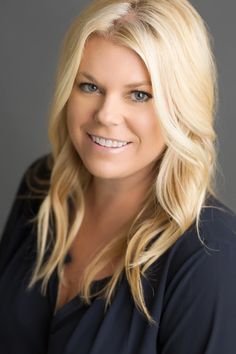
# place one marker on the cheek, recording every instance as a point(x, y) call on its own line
point(70, 119)
point(147, 125)
point(73, 120)
point(77, 112)
point(150, 135)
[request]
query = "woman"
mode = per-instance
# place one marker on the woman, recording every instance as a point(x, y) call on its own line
point(117, 242)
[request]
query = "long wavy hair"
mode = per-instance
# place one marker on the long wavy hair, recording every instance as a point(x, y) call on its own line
point(176, 47)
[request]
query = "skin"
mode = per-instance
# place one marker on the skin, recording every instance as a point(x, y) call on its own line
point(105, 107)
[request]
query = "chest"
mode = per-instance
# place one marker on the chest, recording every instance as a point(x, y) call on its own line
point(73, 271)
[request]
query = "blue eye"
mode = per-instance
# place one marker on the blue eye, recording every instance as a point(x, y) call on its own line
point(140, 96)
point(85, 85)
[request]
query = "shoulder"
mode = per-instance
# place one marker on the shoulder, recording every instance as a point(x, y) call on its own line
point(218, 222)
point(34, 184)
point(30, 192)
point(199, 284)
point(36, 177)
point(217, 225)
point(212, 251)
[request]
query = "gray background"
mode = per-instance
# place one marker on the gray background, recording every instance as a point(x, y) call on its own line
point(30, 36)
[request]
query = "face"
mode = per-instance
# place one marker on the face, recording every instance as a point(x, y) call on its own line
point(110, 113)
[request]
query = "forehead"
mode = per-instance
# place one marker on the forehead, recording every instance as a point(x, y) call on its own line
point(104, 58)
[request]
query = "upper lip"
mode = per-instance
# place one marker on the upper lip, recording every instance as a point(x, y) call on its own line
point(102, 137)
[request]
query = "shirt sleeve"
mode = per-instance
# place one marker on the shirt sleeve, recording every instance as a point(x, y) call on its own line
point(199, 314)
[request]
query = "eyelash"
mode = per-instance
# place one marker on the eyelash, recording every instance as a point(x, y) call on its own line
point(81, 85)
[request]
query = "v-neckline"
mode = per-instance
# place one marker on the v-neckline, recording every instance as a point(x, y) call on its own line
point(77, 298)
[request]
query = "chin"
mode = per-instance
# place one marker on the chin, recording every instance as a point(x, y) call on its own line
point(105, 175)
point(104, 172)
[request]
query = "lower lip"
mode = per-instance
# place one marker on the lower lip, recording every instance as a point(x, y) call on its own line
point(106, 148)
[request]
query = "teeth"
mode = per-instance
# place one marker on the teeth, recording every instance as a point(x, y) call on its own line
point(108, 142)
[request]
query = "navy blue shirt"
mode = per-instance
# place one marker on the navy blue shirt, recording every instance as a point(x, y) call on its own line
point(190, 292)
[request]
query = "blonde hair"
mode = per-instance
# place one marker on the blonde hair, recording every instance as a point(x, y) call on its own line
point(174, 43)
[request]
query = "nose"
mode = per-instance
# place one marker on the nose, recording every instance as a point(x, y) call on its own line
point(109, 111)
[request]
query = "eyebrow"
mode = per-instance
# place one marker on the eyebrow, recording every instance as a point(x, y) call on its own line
point(134, 84)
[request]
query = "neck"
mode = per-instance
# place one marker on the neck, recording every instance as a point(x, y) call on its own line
point(117, 200)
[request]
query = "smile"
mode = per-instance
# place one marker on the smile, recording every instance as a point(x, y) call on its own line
point(108, 142)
